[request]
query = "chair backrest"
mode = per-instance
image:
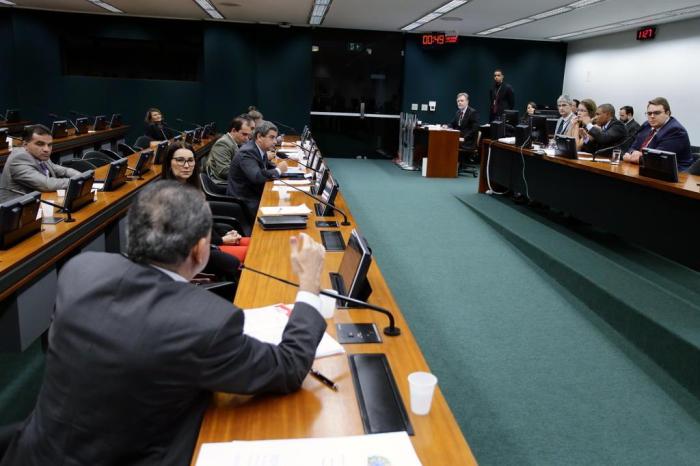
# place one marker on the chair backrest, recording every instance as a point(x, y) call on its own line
point(125, 149)
point(211, 189)
point(143, 142)
point(97, 158)
point(111, 154)
point(79, 164)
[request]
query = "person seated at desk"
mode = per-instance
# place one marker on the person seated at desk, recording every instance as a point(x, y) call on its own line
point(529, 111)
point(255, 115)
point(180, 164)
point(29, 168)
point(135, 351)
point(466, 120)
point(584, 114)
point(226, 147)
point(663, 132)
point(566, 124)
point(155, 127)
point(251, 168)
point(607, 133)
point(627, 117)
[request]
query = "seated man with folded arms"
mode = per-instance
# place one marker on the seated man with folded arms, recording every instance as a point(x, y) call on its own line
point(226, 147)
point(607, 133)
point(663, 132)
point(135, 351)
point(30, 168)
point(251, 168)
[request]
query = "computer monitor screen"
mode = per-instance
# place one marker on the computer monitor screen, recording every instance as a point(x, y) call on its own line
point(82, 124)
point(116, 120)
point(565, 147)
point(100, 123)
point(79, 191)
point(659, 164)
point(18, 218)
point(161, 149)
point(189, 136)
point(538, 130)
point(330, 191)
point(144, 163)
point(59, 129)
point(3, 138)
point(116, 176)
point(354, 265)
point(321, 178)
point(511, 117)
point(198, 134)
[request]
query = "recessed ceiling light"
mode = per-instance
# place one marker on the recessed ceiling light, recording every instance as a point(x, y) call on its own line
point(7, 2)
point(490, 31)
point(435, 14)
point(209, 9)
point(318, 11)
point(447, 7)
point(450, 18)
point(106, 6)
point(547, 14)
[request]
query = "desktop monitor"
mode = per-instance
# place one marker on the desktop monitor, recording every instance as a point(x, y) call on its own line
point(565, 147)
point(100, 123)
point(522, 136)
point(116, 120)
point(659, 164)
point(79, 191)
point(207, 131)
point(498, 130)
point(144, 163)
point(59, 129)
point(12, 115)
point(161, 149)
point(538, 130)
point(351, 278)
point(321, 179)
point(18, 218)
point(82, 125)
point(511, 117)
point(330, 191)
point(3, 138)
point(116, 176)
point(316, 165)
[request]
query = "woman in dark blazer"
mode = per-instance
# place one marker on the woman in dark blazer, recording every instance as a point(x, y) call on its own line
point(155, 127)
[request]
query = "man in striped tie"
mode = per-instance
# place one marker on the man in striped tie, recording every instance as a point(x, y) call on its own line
point(29, 168)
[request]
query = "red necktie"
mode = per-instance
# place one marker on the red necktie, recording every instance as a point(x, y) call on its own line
point(648, 139)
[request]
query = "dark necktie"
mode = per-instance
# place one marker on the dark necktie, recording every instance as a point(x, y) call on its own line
point(44, 168)
point(648, 139)
point(560, 126)
point(461, 115)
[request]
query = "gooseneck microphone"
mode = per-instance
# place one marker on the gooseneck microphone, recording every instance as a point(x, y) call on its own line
point(625, 141)
point(68, 218)
point(180, 120)
point(279, 123)
point(345, 217)
point(392, 330)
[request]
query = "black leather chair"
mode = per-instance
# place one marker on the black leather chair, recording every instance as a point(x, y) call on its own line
point(79, 164)
point(210, 187)
point(111, 154)
point(231, 214)
point(143, 142)
point(97, 158)
point(213, 193)
point(469, 160)
point(125, 149)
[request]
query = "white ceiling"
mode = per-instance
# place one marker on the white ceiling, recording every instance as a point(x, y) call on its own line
point(392, 15)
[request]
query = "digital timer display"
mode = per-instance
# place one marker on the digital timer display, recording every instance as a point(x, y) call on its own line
point(646, 33)
point(438, 39)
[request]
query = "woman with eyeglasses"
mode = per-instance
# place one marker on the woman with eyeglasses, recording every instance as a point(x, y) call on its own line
point(230, 247)
point(585, 114)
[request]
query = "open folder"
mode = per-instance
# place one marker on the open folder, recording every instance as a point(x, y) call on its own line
point(394, 449)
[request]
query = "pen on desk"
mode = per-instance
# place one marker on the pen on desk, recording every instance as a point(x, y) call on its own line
point(323, 379)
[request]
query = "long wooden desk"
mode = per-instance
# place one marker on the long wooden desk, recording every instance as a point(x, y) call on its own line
point(659, 215)
point(28, 270)
point(315, 410)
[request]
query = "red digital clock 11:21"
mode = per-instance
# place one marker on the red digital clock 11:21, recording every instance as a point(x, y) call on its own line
point(646, 33)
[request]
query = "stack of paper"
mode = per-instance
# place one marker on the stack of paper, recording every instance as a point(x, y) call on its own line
point(267, 324)
point(306, 188)
point(392, 449)
point(296, 170)
point(292, 182)
point(300, 209)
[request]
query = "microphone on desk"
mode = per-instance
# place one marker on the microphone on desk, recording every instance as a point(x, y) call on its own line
point(68, 218)
point(61, 117)
point(345, 217)
point(80, 114)
point(285, 156)
point(279, 123)
point(600, 151)
point(180, 120)
point(392, 330)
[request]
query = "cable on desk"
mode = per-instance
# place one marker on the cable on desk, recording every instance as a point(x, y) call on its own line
point(488, 175)
point(522, 157)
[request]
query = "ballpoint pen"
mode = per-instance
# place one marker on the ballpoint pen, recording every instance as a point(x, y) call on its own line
point(323, 379)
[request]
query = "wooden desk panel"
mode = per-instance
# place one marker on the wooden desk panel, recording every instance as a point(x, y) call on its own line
point(441, 147)
point(315, 410)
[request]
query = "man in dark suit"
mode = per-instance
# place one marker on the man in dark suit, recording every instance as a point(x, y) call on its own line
point(466, 120)
point(135, 350)
point(30, 168)
point(606, 134)
point(251, 168)
point(661, 131)
point(501, 96)
point(627, 117)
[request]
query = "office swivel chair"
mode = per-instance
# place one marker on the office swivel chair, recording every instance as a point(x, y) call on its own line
point(79, 164)
point(97, 158)
point(142, 142)
point(214, 196)
point(125, 149)
point(469, 159)
point(111, 154)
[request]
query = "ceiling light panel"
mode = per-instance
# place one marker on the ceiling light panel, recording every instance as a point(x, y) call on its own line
point(7, 2)
point(554, 12)
point(582, 3)
point(318, 11)
point(105, 6)
point(446, 8)
point(209, 9)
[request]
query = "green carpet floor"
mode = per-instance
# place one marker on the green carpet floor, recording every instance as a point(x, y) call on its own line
point(532, 375)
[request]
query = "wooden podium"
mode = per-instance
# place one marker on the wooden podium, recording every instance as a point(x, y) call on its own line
point(441, 147)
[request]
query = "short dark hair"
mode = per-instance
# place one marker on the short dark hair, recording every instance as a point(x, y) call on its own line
point(499, 70)
point(628, 109)
point(167, 172)
point(31, 130)
point(237, 123)
point(607, 108)
point(165, 222)
point(661, 101)
point(254, 113)
point(264, 128)
point(148, 119)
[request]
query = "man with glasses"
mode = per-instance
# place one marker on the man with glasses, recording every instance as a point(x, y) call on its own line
point(663, 132)
point(565, 124)
point(251, 168)
point(225, 149)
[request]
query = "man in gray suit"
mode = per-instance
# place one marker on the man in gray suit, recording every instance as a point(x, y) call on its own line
point(225, 149)
point(30, 168)
point(135, 350)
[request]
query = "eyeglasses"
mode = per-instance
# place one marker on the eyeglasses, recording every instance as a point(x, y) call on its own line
point(656, 113)
point(182, 161)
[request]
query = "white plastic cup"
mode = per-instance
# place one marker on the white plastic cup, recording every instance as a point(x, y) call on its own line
point(47, 210)
point(422, 386)
point(327, 305)
point(616, 156)
point(284, 194)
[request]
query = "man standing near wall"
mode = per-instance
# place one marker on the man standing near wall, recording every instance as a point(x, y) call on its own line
point(501, 96)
